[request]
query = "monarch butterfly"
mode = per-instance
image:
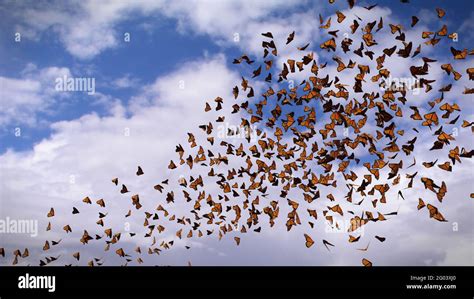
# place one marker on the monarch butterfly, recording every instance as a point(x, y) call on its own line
point(101, 202)
point(124, 189)
point(309, 241)
point(366, 262)
point(441, 12)
point(434, 213)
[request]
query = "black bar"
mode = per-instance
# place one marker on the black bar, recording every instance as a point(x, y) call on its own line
point(294, 282)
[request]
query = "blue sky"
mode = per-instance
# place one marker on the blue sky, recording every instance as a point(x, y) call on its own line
point(68, 135)
point(152, 53)
point(156, 48)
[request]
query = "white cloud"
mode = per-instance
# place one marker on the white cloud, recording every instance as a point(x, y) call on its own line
point(87, 28)
point(92, 149)
point(22, 98)
point(126, 81)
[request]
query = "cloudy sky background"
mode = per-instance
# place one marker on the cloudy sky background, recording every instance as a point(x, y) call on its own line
point(72, 135)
